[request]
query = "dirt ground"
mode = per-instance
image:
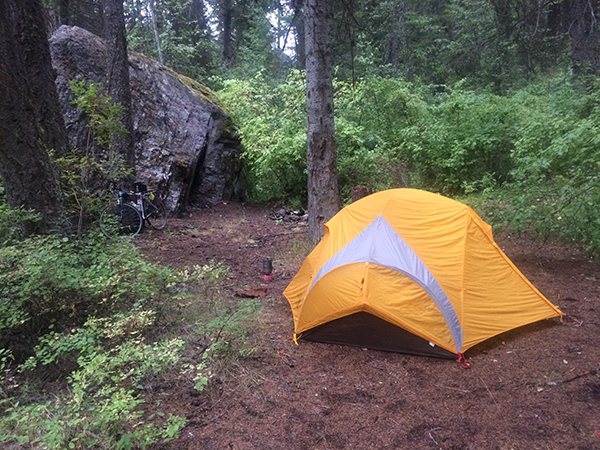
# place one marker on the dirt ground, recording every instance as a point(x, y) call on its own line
point(537, 387)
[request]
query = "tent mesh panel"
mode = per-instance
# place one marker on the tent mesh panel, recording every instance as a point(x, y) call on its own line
point(368, 331)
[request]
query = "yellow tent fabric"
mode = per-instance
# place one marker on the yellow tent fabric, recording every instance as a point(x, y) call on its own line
point(420, 261)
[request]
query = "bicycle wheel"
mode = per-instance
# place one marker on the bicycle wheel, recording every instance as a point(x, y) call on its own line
point(156, 213)
point(120, 220)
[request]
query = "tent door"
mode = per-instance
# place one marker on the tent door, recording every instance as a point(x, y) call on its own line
point(366, 330)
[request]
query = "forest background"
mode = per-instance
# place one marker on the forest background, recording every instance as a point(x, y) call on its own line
point(494, 99)
point(493, 102)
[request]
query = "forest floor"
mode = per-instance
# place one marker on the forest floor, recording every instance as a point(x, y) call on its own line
point(537, 387)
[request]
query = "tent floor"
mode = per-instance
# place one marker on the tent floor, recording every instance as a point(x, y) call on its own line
point(366, 330)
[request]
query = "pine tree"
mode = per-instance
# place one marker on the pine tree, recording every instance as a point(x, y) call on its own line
point(31, 122)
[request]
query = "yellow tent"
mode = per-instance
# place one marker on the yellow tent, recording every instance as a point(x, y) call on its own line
point(410, 271)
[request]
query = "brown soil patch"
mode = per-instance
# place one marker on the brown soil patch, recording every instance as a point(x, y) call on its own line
point(537, 387)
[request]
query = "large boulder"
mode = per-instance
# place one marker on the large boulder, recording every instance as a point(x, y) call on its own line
point(185, 143)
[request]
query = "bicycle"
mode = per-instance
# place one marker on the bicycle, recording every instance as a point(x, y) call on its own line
point(151, 206)
point(126, 217)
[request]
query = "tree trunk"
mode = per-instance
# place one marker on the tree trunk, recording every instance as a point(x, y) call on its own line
point(117, 69)
point(64, 12)
point(393, 42)
point(323, 194)
point(227, 31)
point(300, 38)
point(155, 31)
point(585, 50)
point(198, 14)
point(31, 122)
point(504, 20)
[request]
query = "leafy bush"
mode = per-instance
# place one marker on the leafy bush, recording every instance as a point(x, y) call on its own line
point(389, 133)
point(534, 152)
point(272, 119)
point(555, 188)
point(81, 312)
point(44, 278)
point(102, 408)
point(12, 220)
point(272, 122)
point(370, 118)
point(463, 143)
point(83, 341)
point(83, 170)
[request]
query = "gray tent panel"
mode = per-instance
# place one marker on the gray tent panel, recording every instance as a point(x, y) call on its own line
point(379, 244)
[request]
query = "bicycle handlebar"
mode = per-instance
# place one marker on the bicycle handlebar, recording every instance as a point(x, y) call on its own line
point(140, 189)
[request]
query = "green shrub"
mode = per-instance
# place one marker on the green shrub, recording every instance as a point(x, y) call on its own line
point(80, 314)
point(83, 171)
point(44, 278)
point(533, 152)
point(272, 123)
point(370, 116)
point(12, 221)
point(555, 188)
point(88, 329)
point(103, 405)
point(464, 142)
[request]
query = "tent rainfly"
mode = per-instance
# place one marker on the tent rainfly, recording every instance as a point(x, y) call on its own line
point(414, 272)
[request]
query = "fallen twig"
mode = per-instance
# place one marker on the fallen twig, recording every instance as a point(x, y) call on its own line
point(490, 392)
point(436, 443)
point(464, 391)
point(431, 436)
point(585, 374)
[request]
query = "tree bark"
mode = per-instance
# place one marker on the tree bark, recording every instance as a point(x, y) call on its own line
point(198, 14)
point(118, 75)
point(393, 42)
point(227, 31)
point(585, 43)
point(64, 12)
point(31, 122)
point(155, 31)
point(323, 195)
point(299, 34)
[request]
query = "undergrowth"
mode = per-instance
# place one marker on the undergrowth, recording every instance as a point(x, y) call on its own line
point(532, 153)
point(88, 329)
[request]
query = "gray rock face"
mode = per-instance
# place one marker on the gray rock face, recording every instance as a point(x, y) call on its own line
point(185, 144)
